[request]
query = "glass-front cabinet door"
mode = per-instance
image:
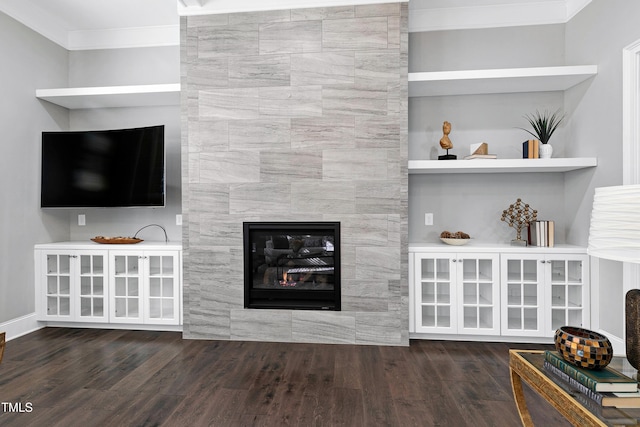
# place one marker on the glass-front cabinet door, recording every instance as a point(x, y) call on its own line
point(479, 294)
point(57, 282)
point(74, 285)
point(146, 287)
point(435, 293)
point(457, 293)
point(569, 291)
point(126, 299)
point(544, 292)
point(92, 287)
point(522, 295)
point(162, 290)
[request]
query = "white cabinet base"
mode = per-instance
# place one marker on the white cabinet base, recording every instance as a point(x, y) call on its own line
point(522, 294)
point(86, 284)
point(118, 326)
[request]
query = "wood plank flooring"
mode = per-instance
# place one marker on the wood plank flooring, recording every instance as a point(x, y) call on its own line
point(89, 377)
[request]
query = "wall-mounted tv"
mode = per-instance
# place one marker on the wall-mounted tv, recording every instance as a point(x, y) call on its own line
point(103, 168)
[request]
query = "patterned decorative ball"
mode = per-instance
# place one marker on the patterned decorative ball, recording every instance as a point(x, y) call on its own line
point(583, 348)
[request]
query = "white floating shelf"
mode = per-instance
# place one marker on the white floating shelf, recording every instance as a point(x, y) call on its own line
point(500, 165)
point(505, 80)
point(113, 96)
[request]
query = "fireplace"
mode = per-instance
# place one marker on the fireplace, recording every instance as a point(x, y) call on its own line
point(292, 265)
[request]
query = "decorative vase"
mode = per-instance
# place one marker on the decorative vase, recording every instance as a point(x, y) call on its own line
point(632, 327)
point(583, 348)
point(546, 150)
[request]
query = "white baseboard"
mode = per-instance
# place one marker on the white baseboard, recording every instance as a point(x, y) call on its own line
point(20, 326)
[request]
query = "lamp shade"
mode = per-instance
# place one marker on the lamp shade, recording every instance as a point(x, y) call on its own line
point(615, 224)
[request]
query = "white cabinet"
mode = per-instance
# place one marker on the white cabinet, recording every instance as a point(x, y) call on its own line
point(145, 287)
point(74, 285)
point(490, 290)
point(456, 293)
point(544, 292)
point(120, 284)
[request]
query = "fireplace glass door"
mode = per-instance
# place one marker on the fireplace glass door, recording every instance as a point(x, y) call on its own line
point(292, 265)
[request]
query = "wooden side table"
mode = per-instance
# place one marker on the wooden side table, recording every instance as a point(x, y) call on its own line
point(527, 366)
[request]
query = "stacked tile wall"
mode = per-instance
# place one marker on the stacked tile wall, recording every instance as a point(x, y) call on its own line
point(296, 115)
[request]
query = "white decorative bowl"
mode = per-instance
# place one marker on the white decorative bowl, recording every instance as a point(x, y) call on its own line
point(454, 242)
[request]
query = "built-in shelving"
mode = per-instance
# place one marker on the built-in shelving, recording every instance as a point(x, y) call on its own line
point(113, 96)
point(500, 165)
point(504, 80)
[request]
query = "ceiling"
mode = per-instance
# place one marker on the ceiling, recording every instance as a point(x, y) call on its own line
point(97, 24)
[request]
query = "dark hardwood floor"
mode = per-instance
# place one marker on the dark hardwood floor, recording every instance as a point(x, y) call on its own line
point(89, 377)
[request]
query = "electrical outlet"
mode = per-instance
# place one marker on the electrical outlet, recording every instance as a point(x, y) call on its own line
point(178, 219)
point(82, 220)
point(428, 219)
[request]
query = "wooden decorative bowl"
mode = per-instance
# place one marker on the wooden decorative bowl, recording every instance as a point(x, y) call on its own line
point(583, 348)
point(116, 240)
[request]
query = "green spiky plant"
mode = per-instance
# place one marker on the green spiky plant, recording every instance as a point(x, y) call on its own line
point(544, 125)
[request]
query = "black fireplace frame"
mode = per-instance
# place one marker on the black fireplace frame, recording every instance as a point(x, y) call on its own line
point(294, 299)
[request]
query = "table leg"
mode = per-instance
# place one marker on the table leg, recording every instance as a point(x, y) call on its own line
point(518, 395)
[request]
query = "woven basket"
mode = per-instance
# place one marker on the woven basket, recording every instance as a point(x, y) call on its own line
point(2, 342)
point(583, 348)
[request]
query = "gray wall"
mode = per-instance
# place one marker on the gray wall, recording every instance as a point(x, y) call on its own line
point(111, 67)
point(297, 115)
point(29, 62)
point(598, 35)
point(474, 202)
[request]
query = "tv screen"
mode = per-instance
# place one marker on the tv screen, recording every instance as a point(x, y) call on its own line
point(103, 168)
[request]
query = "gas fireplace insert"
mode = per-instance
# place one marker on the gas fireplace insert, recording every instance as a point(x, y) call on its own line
point(292, 265)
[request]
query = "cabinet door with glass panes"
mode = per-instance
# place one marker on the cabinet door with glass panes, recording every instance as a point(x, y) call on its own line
point(567, 285)
point(523, 294)
point(162, 290)
point(146, 287)
point(478, 294)
point(544, 292)
point(73, 285)
point(456, 293)
point(126, 288)
point(435, 293)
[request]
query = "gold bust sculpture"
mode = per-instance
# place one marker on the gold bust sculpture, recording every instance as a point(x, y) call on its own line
point(446, 143)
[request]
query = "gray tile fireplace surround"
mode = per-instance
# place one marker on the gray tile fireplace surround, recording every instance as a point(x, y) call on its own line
point(296, 115)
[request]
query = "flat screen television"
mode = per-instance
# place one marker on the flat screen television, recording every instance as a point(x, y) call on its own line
point(103, 168)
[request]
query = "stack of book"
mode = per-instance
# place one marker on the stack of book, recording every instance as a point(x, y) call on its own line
point(541, 233)
point(531, 149)
point(602, 388)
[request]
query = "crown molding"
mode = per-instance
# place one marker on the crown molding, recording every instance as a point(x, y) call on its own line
point(492, 16)
point(54, 29)
point(420, 19)
point(36, 19)
point(211, 7)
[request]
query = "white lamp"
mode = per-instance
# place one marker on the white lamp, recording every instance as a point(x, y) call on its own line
point(615, 223)
point(615, 235)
